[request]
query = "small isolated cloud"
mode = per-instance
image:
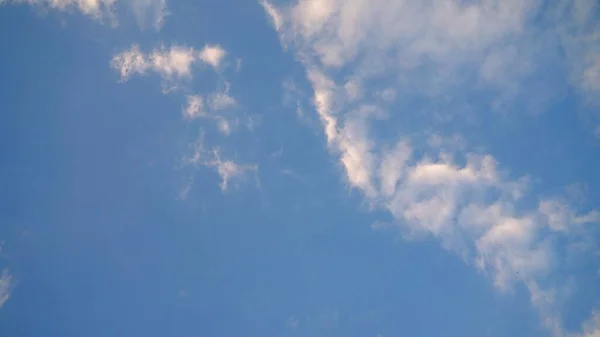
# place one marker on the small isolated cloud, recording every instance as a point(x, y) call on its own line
point(169, 63)
point(212, 55)
point(229, 171)
point(6, 286)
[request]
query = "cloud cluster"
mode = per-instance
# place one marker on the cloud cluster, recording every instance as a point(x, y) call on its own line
point(214, 106)
point(360, 56)
point(170, 63)
point(176, 64)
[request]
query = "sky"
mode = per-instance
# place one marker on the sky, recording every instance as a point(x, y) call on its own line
point(296, 168)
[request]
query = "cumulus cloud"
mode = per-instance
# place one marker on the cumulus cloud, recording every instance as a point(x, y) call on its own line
point(6, 285)
point(212, 55)
point(360, 56)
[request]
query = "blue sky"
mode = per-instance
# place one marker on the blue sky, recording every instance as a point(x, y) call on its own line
point(299, 168)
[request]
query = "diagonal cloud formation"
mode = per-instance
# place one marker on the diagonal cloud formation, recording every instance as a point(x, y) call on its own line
point(361, 55)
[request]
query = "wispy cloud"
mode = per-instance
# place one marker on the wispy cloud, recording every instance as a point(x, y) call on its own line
point(93, 8)
point(172, 63)
point(361, 55)
point(221, 101)
point(6, 286)
point(175, 65)
point(150, 12)
point(146, 12)
point(276, 18)
point(216, 106)
point(229, 171)
point(194, 107)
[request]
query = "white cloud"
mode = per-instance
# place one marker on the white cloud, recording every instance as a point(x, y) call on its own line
point(175, 64)
point(146, 12)
point(94, 8)
point(357, 52)
point(6, 286)
point(176, 61)
point(559, 216)
point(171, 63)
point(432, 46)
point(130, 62)
point(212, 55)
point(194, 107)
